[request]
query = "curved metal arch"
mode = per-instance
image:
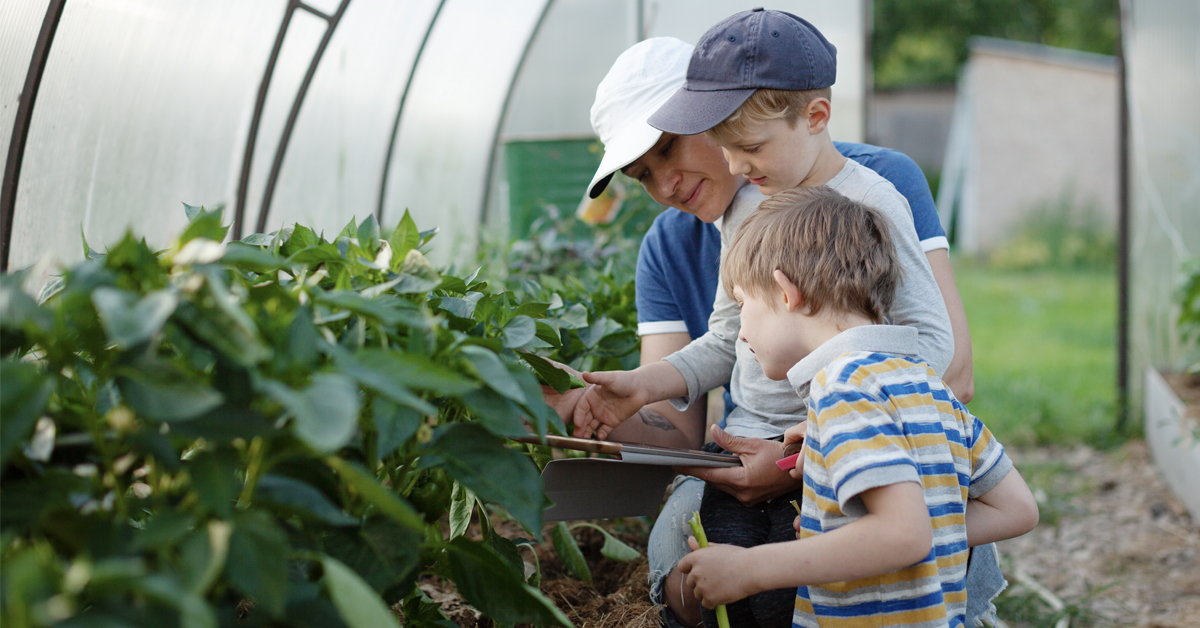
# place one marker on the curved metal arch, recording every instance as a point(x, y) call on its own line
point(20, 133)
point(387, 159)
point(260, 103)
point(487, 175)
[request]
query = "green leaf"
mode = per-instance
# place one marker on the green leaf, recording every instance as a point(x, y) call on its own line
point(373, 492)
point(549, 334)
point(161, 391)
point(568, 551)
point(488, 584)
point(191, 211)
point(368, 234)
point(164, 530)
point(215, 482)
point(23, 397)
point(499, 414)
point(258, 560)
point(315, 255)
point(548, 374)
point(462, 506)
point(614, 548)
point(204, 224)
point(491, 370)
point(349, 231)
point(194, 611)
point(373, 308)
point(128, 321)
point(477, 459)
point(301, 238)
point(404, 239)
point(519, 331)
point(300, 343)
point(394, 425)
point(617, 344)
point(379, 380)
point(355, 600)
point(534, 309)
point(575, 317)
point(294, 496)
point(416, 265)
point(382, 553)
point(324, 414)
point(251, 258)
point(416, 371)
point(455, 306)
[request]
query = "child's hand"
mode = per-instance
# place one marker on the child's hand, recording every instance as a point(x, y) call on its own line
point(796, 434)
point(614, 397)
point(716, 574)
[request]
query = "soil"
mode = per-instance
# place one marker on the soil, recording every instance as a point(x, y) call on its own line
point(1115, 547)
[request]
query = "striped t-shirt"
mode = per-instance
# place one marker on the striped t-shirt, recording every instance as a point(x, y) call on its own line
point(878, 416)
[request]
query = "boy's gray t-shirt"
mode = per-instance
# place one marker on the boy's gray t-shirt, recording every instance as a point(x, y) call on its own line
point(766, 408)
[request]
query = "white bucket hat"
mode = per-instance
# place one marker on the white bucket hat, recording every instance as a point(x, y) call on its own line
point(643, 78)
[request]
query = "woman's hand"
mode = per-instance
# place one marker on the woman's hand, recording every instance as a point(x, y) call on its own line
point(758, 479)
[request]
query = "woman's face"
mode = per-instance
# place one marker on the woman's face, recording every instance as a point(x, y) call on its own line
point(687, 172)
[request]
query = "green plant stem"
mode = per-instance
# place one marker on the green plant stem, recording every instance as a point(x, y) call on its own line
point(253, 470)
point(702, 541)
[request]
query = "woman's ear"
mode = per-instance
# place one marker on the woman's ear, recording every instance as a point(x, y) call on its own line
point(791, 294)
point(816, 115)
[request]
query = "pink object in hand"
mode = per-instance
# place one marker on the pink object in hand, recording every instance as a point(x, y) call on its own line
point(789, 463)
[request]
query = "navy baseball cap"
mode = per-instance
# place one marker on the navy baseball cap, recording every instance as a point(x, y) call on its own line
point(744, 52)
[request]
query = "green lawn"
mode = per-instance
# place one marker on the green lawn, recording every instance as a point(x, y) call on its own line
point(1044, 352)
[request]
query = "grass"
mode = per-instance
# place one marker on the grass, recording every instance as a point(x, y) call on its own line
point(1044, 352)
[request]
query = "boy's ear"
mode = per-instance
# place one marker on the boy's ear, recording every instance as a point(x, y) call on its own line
point(816, 115)
point(791, 294)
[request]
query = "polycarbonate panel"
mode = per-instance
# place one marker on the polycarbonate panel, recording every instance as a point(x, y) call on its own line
point(578, 42)
point(143, 104)
point(1162, 48)
point(450, 120)
point(844, 24)
point(20, 24)
point(299, 45)
point(334, 162)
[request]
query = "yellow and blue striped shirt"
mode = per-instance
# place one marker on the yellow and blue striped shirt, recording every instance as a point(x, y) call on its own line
point(878, 417)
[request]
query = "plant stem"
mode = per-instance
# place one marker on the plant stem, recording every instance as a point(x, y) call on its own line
point(702, 541)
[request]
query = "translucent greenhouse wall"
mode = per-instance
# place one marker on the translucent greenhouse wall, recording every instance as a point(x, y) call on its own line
point(1162, 49)
point(317, 111)
point(577, 44)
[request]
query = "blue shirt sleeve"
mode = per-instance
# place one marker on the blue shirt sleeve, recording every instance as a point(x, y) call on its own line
point(906, 175)
point(653, 297)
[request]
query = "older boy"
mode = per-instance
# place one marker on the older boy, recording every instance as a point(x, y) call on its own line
point(891, 455)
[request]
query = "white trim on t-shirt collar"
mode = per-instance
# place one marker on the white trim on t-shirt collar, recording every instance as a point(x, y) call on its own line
point(661, 327)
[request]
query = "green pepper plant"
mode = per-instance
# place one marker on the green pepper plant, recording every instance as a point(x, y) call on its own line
point(282, 431)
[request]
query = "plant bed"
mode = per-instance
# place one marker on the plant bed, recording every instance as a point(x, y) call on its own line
point(617, 597)
point(271, 431)
point(1173, 434)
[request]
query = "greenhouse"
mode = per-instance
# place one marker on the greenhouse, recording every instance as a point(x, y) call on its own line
point(404, 313)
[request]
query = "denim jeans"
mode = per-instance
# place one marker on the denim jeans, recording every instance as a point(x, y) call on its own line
point(668, 544)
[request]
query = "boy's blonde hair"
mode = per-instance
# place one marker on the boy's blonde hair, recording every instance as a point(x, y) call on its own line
point(763, 105)
point(838, 252)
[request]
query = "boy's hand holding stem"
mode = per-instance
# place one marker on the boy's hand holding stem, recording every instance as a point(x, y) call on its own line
point(895, 533)
point(618, 395)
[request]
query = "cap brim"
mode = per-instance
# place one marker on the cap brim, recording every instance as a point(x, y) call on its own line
point(622, 151)
point(692, 112)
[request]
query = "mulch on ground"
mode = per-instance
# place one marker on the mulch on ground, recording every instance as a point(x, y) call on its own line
point(1115, 545)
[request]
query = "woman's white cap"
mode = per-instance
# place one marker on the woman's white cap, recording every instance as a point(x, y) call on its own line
point(643, 78)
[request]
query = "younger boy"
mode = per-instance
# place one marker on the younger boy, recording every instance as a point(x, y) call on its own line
point(891, 457)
